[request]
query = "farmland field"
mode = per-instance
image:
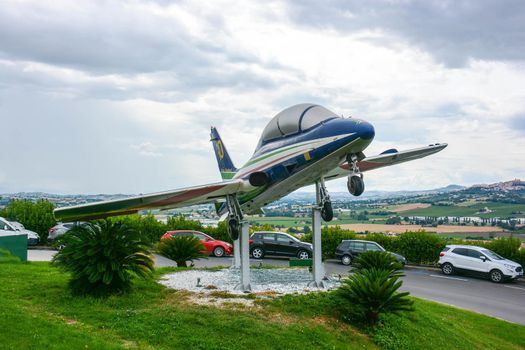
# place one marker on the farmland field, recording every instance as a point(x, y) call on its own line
point(498, 210)
point(404, 228)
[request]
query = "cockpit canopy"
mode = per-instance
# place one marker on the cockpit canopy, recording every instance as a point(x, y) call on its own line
point(295, 119)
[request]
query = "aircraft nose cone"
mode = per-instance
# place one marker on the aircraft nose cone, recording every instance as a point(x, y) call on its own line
point(366, 131)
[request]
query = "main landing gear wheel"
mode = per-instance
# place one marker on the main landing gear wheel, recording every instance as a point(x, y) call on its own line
point(356, 185)
point(327, 213)
point(233, 228)
point(234, 216)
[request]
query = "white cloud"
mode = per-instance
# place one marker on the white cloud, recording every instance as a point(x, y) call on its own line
point(139, 84)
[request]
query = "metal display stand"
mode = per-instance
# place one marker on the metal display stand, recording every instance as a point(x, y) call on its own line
point(317, 263)
point(244, 258)
point(236, 263)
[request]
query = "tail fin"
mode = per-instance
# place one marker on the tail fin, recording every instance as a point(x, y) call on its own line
point(224, 161)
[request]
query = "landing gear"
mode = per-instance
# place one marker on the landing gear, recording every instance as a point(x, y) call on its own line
point(234, 216)
point(355, 184)
point(324, 202)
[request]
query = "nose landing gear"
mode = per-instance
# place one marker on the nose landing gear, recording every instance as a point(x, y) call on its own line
point(355, 184)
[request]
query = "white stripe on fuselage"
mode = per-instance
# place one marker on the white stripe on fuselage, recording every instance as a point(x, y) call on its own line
point(283, 156)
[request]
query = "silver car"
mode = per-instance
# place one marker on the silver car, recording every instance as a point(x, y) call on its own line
point(59, 229)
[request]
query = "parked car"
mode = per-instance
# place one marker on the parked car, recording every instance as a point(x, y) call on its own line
point(478, 261)
point(32, 237)
point(61, 228)
point(13, 227)
point(278, 243)
point(213, 246)
point(348, 250)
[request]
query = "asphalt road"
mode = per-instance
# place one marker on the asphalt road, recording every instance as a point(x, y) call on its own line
point(505, 301)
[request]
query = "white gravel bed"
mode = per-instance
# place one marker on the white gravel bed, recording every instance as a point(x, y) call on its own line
point(281, 281)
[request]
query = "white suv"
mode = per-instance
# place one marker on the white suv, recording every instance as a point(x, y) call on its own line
point(478, 260)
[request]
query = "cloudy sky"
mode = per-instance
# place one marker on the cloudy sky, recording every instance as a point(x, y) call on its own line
point(118, 96)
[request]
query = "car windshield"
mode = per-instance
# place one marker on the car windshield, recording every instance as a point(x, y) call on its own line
point(492, 255)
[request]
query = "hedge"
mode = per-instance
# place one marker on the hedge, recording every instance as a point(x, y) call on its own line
point(331, 236)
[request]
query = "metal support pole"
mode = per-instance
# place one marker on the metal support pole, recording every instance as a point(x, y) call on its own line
point(236, 254)
point(317, 264)
point(245, 258)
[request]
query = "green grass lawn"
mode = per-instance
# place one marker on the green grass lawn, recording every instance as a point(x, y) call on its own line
point(37, 312)
point(499, 210)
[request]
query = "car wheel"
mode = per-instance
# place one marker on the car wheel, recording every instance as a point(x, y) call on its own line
point(257, 253)
point(346, 260)
point(447, 269)
point(218, 251)
point(496, 276)
point(303, 254)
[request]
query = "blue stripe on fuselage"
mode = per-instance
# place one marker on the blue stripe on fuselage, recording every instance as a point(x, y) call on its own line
point(332, 127)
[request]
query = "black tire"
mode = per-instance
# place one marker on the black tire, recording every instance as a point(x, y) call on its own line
point(257, 253)
point(327, 213)
point(218, 251)
point(496, 276)
point(303, 254)
point(233, 229)
point(356, 185)
point(346, 260)
point(447, 269)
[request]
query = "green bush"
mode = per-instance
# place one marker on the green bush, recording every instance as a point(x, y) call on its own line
point(103, 258)
point(35, 216)
point(147, 226)
point(420, 247)
point(379, 261)
point(506, 247)
point(331, 237)
point(182, 249)
point(370, 293)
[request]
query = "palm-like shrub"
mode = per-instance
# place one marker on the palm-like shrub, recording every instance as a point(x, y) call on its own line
point(182, 249)
point(372, 292)
point(103, 258)
point(379, 261)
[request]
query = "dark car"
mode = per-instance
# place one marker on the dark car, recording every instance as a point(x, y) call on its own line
point(348, 250)
point(278, 243)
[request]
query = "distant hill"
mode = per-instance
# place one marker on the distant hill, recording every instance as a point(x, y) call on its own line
point(367, 195)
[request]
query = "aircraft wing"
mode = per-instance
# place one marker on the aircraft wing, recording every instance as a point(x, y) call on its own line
point(161, 200)
point(393, 156)
point(387, 158)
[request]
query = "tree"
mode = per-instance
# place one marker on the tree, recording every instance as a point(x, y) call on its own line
point(182, 249)
point(377, 260)
point(103, 258)
point(35, 216)
point(372, 292)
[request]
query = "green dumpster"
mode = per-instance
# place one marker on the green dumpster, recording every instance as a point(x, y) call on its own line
point(300, 262)
point(16, 244)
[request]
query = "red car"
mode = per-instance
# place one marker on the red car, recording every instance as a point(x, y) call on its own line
point(213, 246)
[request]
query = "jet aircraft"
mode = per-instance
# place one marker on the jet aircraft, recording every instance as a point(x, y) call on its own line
point(303, 145)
